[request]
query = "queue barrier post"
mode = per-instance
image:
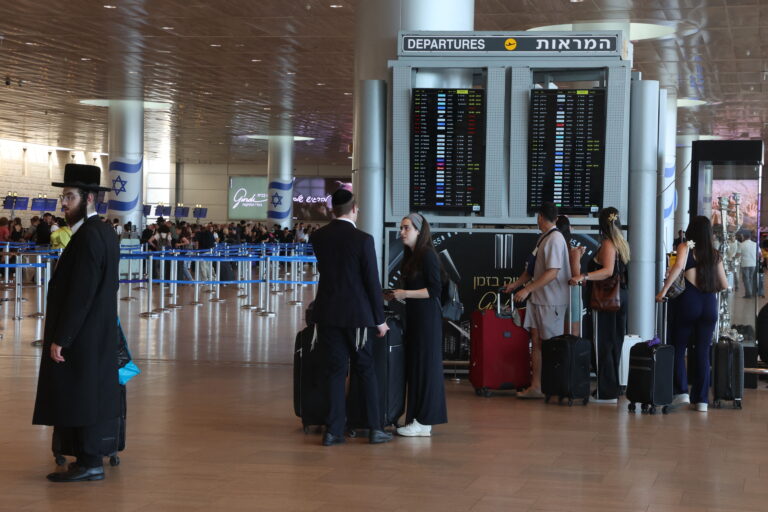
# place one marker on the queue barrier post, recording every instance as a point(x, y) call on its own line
point(129, 297)
point(174, 286)
point(149, 313)
point(217, 297)
point(161, 292)
point(249, 287)
point(39, 281)
point(8, 262)
point(196, 297)
point(17, 309)
point(266, 311)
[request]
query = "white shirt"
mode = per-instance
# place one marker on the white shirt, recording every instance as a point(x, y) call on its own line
point(80, 223)
point(347, 220)
point(748, 253)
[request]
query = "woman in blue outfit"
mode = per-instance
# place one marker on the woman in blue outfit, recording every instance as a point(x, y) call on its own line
point(694, 312)
point(422, 287)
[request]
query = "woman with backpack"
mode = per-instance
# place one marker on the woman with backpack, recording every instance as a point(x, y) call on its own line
point(422, 279)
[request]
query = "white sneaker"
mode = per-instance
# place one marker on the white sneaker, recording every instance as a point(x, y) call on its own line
point(681, 399)
point(604, 400)
point(701, 407)
point(415, 429)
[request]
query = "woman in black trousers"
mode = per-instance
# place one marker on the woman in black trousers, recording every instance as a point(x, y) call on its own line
point(612, 257)
point(422, 286)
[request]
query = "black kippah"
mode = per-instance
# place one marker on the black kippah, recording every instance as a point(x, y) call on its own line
point(341, 197)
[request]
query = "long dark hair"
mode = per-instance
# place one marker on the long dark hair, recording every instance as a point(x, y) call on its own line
point(707, 258)
point(413, 259)
point(563, 224)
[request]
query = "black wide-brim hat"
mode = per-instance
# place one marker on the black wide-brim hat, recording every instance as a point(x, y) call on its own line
point(86, 177)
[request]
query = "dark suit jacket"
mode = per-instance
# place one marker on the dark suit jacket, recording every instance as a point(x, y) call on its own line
point(82, 317)
point(349, 293)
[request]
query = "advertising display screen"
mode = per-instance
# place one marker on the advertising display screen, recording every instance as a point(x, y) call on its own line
point(247, 198)
point(448, 150)
point(566, 156)
point(312, 197)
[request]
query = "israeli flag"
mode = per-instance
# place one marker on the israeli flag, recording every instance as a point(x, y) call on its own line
point(280, 200)
point(125, 180)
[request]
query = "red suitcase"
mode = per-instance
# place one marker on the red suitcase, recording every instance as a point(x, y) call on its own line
point(500, 355)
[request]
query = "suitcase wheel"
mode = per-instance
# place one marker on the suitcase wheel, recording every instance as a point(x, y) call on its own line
point(632, 407)
point(570, 402)
point(737, 404)
point(665, 409)
point(484, 392)
point(652, 409)
point(60, 460)
point(114, 460)
point(644, 408)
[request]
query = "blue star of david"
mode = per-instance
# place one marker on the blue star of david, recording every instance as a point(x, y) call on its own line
point(277, 200)
point(121, 182)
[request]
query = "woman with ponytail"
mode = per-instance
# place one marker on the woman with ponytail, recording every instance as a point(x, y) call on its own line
point(694, 312)
point(421, 275)
point(612, 257)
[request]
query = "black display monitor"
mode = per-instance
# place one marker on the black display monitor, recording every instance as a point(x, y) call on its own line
point(181, 211)
point(566, 152)
point(200, 213)
point(162, 211)
point(50, 204)
point(448, 150)
point(146, 209)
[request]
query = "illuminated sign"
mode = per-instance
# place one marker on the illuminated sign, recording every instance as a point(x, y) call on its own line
point(247, 198)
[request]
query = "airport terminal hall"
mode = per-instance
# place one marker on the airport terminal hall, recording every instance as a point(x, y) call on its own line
point(383, 255)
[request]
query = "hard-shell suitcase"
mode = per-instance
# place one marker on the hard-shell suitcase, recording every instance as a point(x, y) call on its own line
point(389, 363)
point(310, 380)
point(112, 437)
point(500, 354)
point(728, 372)
point(651, 372)
point(565, 362)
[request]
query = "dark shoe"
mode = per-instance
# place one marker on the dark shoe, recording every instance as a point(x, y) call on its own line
point(379, 436)
point(330, 439)
point(78, 474)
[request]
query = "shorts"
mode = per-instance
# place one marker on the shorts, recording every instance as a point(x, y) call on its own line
point(548, 320)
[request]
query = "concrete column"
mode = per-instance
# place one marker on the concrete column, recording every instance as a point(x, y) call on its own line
point(643, 163)
point(372, 157)
point(126, 160)
point(683, 181)
point(280, 179)
point(670, 157)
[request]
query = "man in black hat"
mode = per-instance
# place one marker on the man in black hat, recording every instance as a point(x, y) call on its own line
point(77, 389)
point(349, 302)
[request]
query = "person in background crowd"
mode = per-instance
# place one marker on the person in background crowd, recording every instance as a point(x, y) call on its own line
point(548, 291)
point(347, 305)
point(747, 256)
point(763, 267)
point(693, 313)
point(422, 288)
point(205, 240)
point(117, 227)
point(31, 232)
point(43, 232)
point(17, 231)
point(78, 387)
point(60, 238)
point(575, 252)
point(612, 257)
point(5, 230)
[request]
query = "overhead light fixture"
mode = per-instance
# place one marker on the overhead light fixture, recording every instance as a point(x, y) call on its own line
point(297, 138)
point(84, 59)
point(215, 45)
point(163, 51)
point(148, 105)
point(255, 60)
point(110, 7)
point(336, 6)
point(167, 28)
point(637, 31)
point(320, 83)
point(290, 73)
point(689, 102)
point(347, 94)
point(30, 43)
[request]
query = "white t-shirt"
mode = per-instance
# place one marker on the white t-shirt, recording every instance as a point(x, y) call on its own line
point(552, 253)
point(748, 253)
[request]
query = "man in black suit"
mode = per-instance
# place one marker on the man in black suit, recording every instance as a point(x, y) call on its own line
point(349, 302)
point(43, 232)
point(77, 389)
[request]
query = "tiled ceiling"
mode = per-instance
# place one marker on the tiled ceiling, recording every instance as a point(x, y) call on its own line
point(237, 67)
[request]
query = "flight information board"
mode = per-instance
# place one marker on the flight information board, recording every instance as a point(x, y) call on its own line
point(448, 150)
point(566, 155)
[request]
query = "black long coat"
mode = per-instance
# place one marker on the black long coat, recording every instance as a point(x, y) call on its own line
point(81, 316)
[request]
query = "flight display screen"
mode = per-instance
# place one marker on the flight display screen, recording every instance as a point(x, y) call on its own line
point(448, 150)
point(566, 155)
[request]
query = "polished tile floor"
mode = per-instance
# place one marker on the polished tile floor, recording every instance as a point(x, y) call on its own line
point(211, 427)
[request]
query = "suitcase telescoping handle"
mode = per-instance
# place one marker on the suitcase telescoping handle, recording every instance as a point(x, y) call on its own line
point(569, 314)
point(661, 310)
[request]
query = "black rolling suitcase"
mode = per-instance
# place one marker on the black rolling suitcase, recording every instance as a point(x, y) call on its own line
point(310, 380)
point(728, 372)
point(651, 372)
point(112, 437)
point(389, 361)
point(565, 362)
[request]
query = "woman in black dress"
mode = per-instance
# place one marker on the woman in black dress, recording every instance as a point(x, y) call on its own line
point(422, 287)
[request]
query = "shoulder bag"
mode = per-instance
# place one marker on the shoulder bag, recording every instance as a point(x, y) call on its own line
point(605, 294)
